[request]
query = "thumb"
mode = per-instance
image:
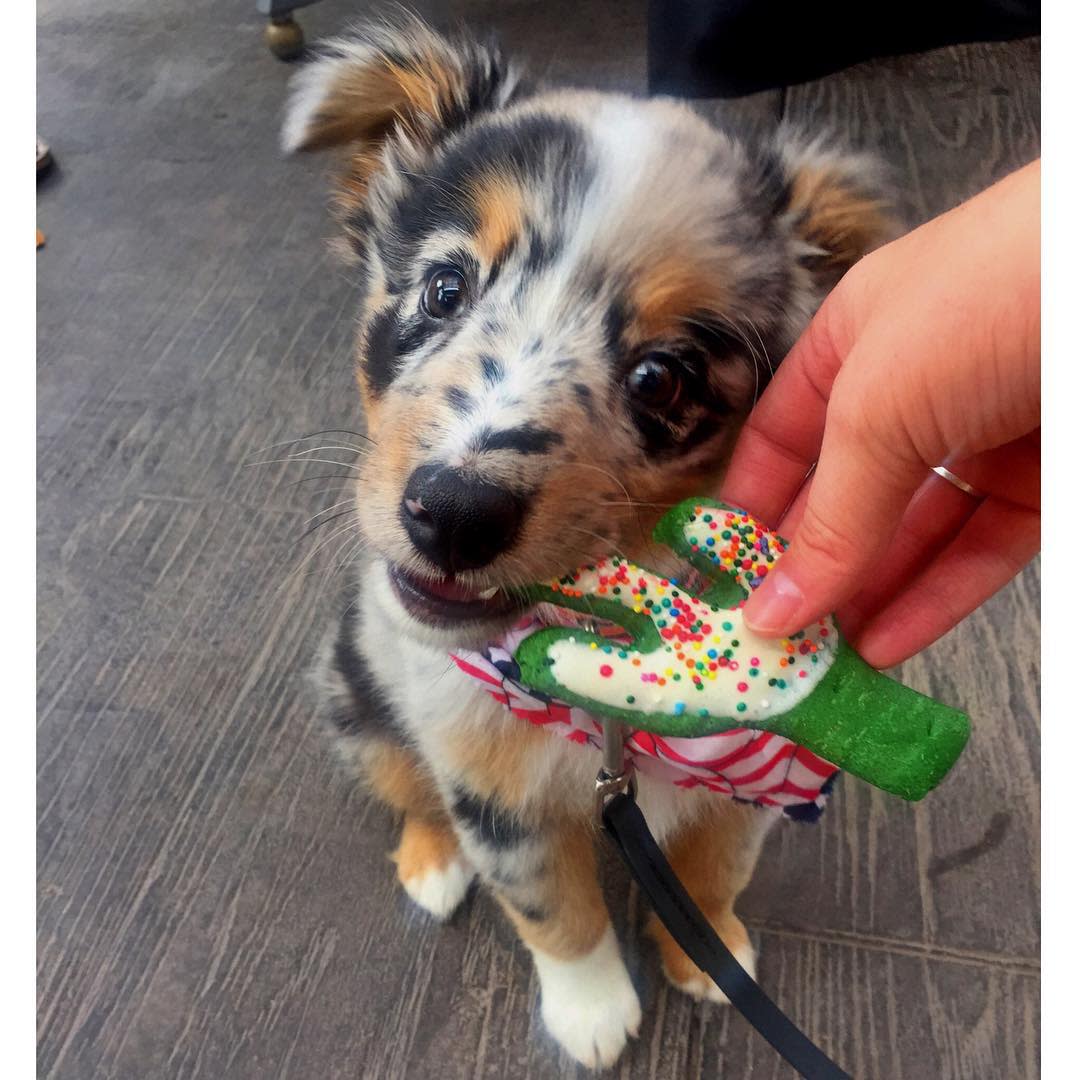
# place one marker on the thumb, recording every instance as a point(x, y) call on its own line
point(863, 482)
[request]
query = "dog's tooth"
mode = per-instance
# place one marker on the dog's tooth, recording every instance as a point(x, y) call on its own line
point(487, 594)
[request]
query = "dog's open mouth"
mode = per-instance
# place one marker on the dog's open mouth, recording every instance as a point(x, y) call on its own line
point(449, 602)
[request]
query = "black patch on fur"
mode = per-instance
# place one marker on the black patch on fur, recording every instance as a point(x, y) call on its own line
point(592, 285)
point(412, 333)
point(359, 220)
point(495, 827)
point(532, 912)
point(525, 439)
point(392, 336)
point(726, 347)
point(540, 253)
point(616, 320)
point(381, 359)
point(661, 442)
point(548, 150)
point(770, 186)
point(358, 227)
point(491, 369)
point(371, 712)
point(716, 340)
point(584, 395)
point(497, 264)
point(459, 400)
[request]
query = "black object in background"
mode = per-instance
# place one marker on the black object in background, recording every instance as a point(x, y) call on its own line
point(724, 48)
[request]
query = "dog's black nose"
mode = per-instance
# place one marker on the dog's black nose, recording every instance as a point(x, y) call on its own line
point(458, 522)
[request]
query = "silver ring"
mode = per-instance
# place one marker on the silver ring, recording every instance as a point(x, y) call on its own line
point(961, 485)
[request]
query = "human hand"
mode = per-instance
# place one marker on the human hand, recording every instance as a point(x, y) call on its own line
point(926, 353)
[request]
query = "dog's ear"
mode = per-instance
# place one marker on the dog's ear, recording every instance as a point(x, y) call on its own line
point(389, 94)
point(835, 203)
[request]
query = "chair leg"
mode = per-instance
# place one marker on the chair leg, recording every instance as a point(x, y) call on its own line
point(283, 37)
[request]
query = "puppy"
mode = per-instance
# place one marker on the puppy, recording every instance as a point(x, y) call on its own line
point(567, 302)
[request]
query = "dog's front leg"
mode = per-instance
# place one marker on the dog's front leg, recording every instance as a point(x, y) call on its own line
point(543, 873)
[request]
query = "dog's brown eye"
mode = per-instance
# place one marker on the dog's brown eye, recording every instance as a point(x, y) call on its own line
point(445, 294)
point(655, 383)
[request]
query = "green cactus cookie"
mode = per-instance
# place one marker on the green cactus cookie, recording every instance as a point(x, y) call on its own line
point(693, 668)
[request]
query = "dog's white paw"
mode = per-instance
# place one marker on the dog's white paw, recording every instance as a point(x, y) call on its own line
point(701, 987)
point(589, 1004)
point(440, 891)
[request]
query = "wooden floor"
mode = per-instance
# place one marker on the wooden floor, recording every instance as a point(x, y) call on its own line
point(215, 901)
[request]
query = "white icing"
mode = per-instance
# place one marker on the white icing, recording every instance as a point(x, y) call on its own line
point(765, 676)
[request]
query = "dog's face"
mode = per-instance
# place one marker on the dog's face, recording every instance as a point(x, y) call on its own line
point(568, 303)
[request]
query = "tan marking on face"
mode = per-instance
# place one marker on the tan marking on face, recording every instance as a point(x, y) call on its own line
point(575, 916)
point(368, 399)
point(831, 216)
point(397, 430)
point(499, 208)
point(670, 288)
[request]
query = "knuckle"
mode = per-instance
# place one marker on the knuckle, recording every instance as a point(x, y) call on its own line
point(826, 549)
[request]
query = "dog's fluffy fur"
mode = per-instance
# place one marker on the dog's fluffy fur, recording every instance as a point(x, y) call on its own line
point(592, 230)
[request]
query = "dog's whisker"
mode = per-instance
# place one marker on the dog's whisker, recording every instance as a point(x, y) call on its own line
point(633, 502)
point(343, 559)
point(325, 521)
point(313, 435)
point(358, 451)
point(326, 491)
point(350, 552)
point(611, 546)
point(292, 575)
point(605, 472)
point(321, 476)
point(344, 502)
point(764, 350)
point(302, 461)
point(303, 455)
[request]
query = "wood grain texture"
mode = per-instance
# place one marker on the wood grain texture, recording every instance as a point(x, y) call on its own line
point(214, 897)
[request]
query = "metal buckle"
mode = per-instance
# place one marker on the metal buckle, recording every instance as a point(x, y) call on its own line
point(615, 777)
point(607, 787)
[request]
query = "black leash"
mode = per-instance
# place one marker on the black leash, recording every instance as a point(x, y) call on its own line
point(626, 825)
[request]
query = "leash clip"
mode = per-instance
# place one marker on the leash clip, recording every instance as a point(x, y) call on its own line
point(616, 775)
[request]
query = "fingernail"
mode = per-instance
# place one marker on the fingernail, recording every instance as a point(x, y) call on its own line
point(774, 606)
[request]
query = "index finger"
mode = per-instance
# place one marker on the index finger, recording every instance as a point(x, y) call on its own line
point(780, 441)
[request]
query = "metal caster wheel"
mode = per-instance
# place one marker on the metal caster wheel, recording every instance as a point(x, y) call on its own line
point(284, 38)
